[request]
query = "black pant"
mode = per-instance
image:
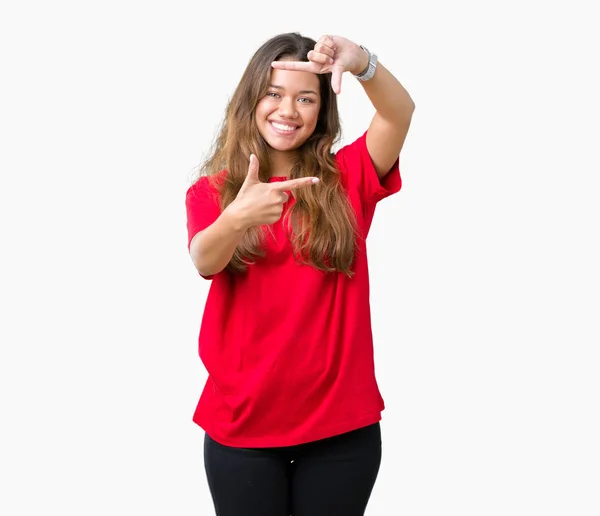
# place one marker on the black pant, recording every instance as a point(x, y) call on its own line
point(329, 477)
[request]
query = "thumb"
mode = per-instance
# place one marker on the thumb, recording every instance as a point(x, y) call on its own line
point(252, 176)
point(336, 79)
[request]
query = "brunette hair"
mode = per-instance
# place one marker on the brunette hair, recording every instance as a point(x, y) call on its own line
point(323, 223)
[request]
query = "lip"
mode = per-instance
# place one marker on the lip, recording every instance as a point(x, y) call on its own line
point(280, 132)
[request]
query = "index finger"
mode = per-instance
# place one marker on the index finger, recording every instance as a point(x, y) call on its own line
point(301, 66)
point(292, 184)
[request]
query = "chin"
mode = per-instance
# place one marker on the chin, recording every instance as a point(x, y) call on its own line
point(283, 147)
point(284, 144)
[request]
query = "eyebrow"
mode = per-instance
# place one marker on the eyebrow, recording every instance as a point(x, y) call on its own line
point(301, 92)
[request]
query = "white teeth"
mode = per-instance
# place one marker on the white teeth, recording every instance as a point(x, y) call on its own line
point(282, 127)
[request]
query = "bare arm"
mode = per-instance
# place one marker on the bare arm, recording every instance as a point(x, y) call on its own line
point(389, 127)
point(212, 249)
point(394, 106)
point(256, 204)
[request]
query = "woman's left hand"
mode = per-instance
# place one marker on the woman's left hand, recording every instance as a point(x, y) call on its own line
point(331, 54)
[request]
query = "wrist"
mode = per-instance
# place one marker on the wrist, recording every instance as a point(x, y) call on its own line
point(368, 72)
point(363, 62)
point(235, 220)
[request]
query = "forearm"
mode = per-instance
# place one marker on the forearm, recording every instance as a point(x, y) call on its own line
point(389, 126)
point(389, 98)
point(212, 249)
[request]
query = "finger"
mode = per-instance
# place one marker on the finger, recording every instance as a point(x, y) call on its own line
point(299, 66)
point(327, 41)
point(336, 79)
point(324, 49)
point(284, 197)
point(317, 57)
point(253, 170)
point(292, 184)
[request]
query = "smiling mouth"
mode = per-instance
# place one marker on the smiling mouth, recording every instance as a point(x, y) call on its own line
point(283, 128)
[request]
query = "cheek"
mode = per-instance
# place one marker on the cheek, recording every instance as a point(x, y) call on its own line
point(262, 110)
point(314, 118)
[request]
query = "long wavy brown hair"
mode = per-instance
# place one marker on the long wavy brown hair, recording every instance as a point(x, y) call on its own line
point(321, 224)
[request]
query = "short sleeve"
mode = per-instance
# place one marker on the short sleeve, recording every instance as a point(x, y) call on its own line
point(359, 173)
point(202, 206)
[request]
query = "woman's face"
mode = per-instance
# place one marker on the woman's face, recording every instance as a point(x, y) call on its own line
point(287, 115)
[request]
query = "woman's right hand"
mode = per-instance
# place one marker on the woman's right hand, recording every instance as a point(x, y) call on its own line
point(259, 203)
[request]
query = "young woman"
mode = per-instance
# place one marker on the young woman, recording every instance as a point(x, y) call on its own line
point(291, 406)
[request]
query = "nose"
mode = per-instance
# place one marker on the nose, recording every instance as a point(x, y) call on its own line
point(287, 108)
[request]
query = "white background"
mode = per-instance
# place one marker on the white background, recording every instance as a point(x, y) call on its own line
point(485, 283)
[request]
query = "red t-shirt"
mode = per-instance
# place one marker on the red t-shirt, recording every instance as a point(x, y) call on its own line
point(289, 349)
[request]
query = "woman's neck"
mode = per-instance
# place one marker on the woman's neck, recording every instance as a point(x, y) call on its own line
point(281, 163)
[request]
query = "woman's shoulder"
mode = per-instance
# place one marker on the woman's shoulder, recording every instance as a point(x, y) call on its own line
point(208, 182)
point(349, 160)
point(352, 150)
